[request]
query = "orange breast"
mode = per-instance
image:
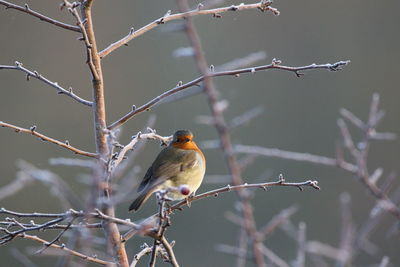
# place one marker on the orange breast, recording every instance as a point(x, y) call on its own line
point(190, 146)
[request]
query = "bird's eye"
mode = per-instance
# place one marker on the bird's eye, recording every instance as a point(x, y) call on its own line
point(187, 139)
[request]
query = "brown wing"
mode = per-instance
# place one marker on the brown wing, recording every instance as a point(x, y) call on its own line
point(168, 164)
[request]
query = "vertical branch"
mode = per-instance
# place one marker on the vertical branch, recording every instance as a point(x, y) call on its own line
point(101, 174)
point(222, 128)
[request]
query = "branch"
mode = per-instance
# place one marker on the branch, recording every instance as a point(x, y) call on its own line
point(297, 156)
point(35, 74)
point(48, 244)
point(68, 250)
point(229, 188)
point(168, 249)
point(16, 185)
point(274, 65)
point(90, 42)
point(53, 226)
point(163, 223)
point(152, 135)
point(33, 132)
point(145, 251)
point(73, 214)
point(42, 17)
point(216, 12)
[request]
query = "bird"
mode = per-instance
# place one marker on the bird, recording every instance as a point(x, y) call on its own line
point(180, 164)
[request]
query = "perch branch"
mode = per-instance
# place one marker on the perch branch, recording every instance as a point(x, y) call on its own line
point(216, 12)
point(274, 65)
point(152, 135)
point(35, 74)
point(33, 132)
point(281, 182)
point(26, 9)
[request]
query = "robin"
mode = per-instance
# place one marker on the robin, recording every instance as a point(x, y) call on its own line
point(180, 163)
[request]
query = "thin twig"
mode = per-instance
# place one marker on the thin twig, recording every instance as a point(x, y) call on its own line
point(69, 251)
point(275, 65)
point(89, 41)
point(53, 226)
point(277, 220)
point(151, 135)
point(35, 74)
point(33, 132)
point(168, 249)
point(14, 186)
point(297, 156)
point(216, 12)
point(145, 251)
point(26, 9)
point(229, 188)
point(46, 245)
point(163, 223)
point(301, 246)
point(273, 257)
point(72, 214)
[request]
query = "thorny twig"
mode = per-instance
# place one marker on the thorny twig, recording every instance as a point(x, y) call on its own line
point(275, 65)
point(151, 135)
point(216, 12)
point(281, 182)
point(28, 10)
point(60, 90)
point(32, 131)
point(68, 250)
point(159, 238)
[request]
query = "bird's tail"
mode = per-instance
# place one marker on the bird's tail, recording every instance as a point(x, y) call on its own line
point(138, 202)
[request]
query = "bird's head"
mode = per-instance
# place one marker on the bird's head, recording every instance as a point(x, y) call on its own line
point(183, 139)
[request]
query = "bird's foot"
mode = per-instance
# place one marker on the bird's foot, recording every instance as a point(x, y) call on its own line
point(188, 200)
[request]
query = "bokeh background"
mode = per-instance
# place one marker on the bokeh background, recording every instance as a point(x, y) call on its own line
point(300, 114)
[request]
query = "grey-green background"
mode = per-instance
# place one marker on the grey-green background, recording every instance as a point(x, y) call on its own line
point(300, 113)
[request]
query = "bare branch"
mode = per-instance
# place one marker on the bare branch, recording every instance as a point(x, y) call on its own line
point(384, 262)
point(72, 214)
point(347, 232)
point(220, 125)
point(152, 135)
point(48, 244)
point(245, 117)
point(55, 226)
point(89, 41)
point(216, 12)
point(352, 118)
point(35, 74)
point(72, 162)
point(319, 248)
point(229, 188)
point(33, 132)
point(301, 246)
point(278, 261)
point(275, 65)
point(297, 156)
point(146, 250)
point(168, 249)
point(242, 62)
point(13, 187)
point(67, 250)
point(26, 9)
point(277, 220)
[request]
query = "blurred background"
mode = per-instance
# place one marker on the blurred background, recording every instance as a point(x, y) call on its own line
point(299, 114)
